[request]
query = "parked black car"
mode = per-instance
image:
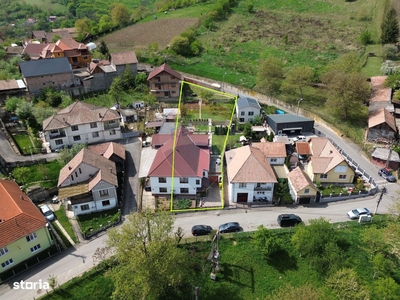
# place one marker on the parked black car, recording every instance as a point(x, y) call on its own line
point(229, 227)
point(386, 174)
point(201, 230)
point(288, 220)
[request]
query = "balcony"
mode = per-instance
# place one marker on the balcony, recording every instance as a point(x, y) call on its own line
point(263, 188)
point(110, 126)
point(57, 136)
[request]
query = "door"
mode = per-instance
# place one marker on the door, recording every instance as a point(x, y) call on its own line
point(242, 197)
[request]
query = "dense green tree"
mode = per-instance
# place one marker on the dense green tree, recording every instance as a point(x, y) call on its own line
point(393, 81)
point(103, 49)
point(347, 285)
point(347, 94)
point(247, 132)
point(116, 89)
point(150, 100)
point(390, 28)
point(180, 45)
point(389, 51)
point(348, 63)
point(66, 154)
point(82, 26)
point(270, 75)
point(140, 12)
point(20, 174)
point(206, 95)
point(386, 288)
point(267, 243)
point(149, 262)
point(42, 113)
point(128, 78)
point(119, 14)
point(24, 110)
point(297, 79)
point(66, 99)
point(12, 103)
point(105, 23)
point(51, 96)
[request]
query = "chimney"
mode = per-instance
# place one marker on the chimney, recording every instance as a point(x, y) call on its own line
point(22, 197)
point(100, 115)
point(111, 170)
point(69, 168)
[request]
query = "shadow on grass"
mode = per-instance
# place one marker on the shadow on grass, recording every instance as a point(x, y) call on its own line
point(282, 261)
point(234, 274)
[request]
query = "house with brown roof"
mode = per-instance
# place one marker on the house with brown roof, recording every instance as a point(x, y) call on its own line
point(381, 126)
point(326, 164)
point(112, 151)
point(164, 82)
point(121, 60)
point(181, 168)
point(381, 96)
point(81, 123)
point(88, 183)
point(23, 228)
point(302, 189)
point(250, 175)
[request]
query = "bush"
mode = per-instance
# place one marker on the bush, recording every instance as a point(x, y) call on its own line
point(366, 38)
point(183, 203)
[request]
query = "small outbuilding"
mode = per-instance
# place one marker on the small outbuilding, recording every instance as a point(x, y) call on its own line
point(289, 124)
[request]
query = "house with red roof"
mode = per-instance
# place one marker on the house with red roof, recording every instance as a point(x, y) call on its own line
point(250, 174)
point(88, 183)
point(164, 82)
point(23, 228)
point(301, 187)
point(81, 123)
point(381, 126)
point(181, 164)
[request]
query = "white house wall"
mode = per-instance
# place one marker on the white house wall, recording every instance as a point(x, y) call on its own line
point(94, 206)
point(253, 193)
point(279, 161)
point(191, 185)
point(246, 110)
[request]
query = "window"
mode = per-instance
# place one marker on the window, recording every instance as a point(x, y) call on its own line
point(105, 203)
point(173, 84)
point(184, 180)
point(72, 177)
point(172, 77)
point(242, 185)
point(85, 207)
point(241, 120)
point(103, 192)
point(306, 191)
point(162, 180)
point(54, 131)
point(85, 57)
point(242, 113)
point(323, 176)
point(93, 125)
point(35, 248)
point(112, 132)
point(158, 78)
point(251, 113)
point(342, 177)
point(31, 237)
point(3, 251)
point(197, 181)
point(173, 92)
point(77, 138)
point(59, 142)
point(80, 171)
point(7, 263)
point(74, 128)
point(341, 169)
point(95, 134)
point(184, 190)
point(163, 190)
point(111, 122)
point(76, 174)
point(274, 159)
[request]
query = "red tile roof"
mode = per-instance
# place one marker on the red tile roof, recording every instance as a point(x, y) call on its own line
point(18, 215)
point(79, 113)
point(381, 116)
point(325, 156)
point(271, 150)
point(303, 148)
point(123, 58)
point(190, 160)
point(108, 149)
point(300, 180)
point(164, 68)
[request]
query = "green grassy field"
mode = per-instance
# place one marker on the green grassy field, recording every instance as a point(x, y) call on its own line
point(98, 220)
point(63, 219)
point(24, 142)
point(45, 174)
point(49, 5)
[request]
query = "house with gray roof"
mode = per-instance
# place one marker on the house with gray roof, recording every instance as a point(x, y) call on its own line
point(289, 124)
point(81, 123)
point(247, 109)
point(43, 73)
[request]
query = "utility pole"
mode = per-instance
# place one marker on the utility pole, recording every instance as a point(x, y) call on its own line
point(196, 293)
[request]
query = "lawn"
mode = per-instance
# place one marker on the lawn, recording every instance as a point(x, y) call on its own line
point(245, 273)
point(218, 142)
point(50, 5)
point(95, 221)
point(24, 143)
point(44, 174)
point(62, 236)
point(64, 221)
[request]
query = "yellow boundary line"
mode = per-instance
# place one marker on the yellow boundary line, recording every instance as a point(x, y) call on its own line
point(177, 121)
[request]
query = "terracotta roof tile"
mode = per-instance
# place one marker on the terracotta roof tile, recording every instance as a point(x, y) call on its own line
point(18, 215)
point(270, 150)
point(190, 160)
point(303, 148)
point(324, 155)
point(381, 116)
point(108, 149)
point(164, 68)
point(248, 164)
point(300, 180)
point(123, 58)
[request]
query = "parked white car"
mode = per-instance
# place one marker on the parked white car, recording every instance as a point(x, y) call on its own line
point(356, 213)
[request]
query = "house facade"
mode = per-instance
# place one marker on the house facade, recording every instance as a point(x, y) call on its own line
point(164, 82)
point(381, 126)
point(88, 183)
point(81, 123)
point(40, 74)
point(23, 228)
point(302, 189)
point(326, 164)
point(250, 175)
point(247, 109)
point(184, 172)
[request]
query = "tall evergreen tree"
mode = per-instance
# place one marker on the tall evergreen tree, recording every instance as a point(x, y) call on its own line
point(390, 28)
